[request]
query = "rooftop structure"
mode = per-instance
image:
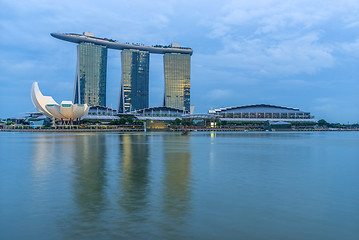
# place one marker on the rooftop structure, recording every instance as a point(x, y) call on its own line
point(112, 44)
point(159, 113)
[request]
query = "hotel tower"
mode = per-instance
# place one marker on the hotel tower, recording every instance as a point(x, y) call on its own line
point(90, 81)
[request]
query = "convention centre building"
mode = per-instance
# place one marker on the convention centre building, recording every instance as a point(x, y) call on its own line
point(262, 112)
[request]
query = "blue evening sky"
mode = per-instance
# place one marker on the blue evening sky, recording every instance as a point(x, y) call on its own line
point(299, 53)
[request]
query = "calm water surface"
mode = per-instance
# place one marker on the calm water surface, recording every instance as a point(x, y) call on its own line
point(168, 186)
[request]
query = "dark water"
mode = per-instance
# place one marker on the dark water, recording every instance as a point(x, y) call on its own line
point(168, 186)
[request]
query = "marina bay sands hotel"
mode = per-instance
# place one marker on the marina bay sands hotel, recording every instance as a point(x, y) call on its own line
point(90, 81)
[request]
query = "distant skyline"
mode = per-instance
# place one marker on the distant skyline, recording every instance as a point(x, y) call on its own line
point(300, 54)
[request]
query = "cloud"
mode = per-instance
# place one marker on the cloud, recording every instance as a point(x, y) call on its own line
point(277, 37)
point(295, 83)
point(220, 93)
point(146, 19)
point(351, 48)
point(261, 57)
point(245, 52)
point(324, 104)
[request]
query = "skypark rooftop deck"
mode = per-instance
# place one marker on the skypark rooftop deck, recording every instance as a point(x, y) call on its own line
point(78, 38)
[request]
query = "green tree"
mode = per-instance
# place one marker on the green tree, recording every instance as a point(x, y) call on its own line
point(139, 122)
point(122, 120)
point(129, 120)
point(322, 123)
point(177, 121)
point(187, 123)
point(90, 122)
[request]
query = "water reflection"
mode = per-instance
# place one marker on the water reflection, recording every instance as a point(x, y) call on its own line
point(47, 149)
point(168, 186)
point(89, 180)
point(177, 180)
point(43, 152)
point(48, 152)
point(134, 173)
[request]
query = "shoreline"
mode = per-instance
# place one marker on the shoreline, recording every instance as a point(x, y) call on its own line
point(71, 130)
point(175, 130)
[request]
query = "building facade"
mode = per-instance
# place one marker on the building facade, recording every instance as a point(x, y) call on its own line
point(262, 112)
point(177, 70)
point(90, 81)
point(134, 93)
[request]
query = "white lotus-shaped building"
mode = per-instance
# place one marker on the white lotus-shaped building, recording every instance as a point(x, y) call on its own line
point(50, 108)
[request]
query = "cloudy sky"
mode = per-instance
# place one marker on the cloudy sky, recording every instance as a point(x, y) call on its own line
point(299, 53)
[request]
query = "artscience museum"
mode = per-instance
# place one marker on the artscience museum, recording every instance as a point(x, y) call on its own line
point(65, 112)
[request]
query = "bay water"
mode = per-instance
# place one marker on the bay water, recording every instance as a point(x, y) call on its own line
point(156, 185)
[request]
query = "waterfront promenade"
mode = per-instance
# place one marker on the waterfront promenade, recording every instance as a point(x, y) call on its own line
point(96, 128)
point(73, 128)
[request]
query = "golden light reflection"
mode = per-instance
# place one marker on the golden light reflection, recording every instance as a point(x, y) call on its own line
point(177, 179)
point(134, 172)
